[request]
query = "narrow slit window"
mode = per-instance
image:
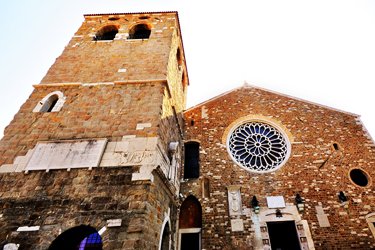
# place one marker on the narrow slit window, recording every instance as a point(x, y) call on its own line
point(191, 166)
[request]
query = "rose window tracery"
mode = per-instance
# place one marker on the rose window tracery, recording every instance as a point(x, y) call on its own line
point(258, 146)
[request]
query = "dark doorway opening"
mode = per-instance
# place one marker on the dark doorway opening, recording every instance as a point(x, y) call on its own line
point(82, 237)
point(190, 241)
point(283, 235)
point(165, 238)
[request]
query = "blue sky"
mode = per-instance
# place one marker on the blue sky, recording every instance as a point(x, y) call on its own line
point(321, 51)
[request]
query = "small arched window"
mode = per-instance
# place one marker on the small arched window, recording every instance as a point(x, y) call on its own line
point(52, 102)
point(106, 33)
point(140, 31)
point(191, 164)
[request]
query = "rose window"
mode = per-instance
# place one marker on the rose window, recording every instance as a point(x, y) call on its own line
point(258, 147)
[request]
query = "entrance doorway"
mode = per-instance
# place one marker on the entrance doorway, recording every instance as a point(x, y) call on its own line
point(190, 241)
point(283, 235)
point(190, 223)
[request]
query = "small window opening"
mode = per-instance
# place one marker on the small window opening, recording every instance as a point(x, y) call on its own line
point(50, 103)
point(179, 57)
point(191, 166)
point(359, 177)
point(205, 186)
point(192, 122)
point(106, 33)
point(336, 146)
point(184, 81)
point(140, 31)
point(144, 17)
point(113, 18)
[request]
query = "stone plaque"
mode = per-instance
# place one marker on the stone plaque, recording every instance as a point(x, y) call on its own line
point(114, 223)
point(28, 229)
point(323, 220)
point(66, 154)
point(11, 246)
point(234, 200)
point(275, 202)
point(237, 225)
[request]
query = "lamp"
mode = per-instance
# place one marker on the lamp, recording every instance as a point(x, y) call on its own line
point(255, 205)
point(300, 203)
point(342, 197)
point(278, 213)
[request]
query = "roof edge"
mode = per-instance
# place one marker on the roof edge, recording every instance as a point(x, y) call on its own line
point(127, 13)
point(246, 85)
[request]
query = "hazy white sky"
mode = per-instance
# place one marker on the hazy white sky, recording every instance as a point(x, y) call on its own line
point(321, 51)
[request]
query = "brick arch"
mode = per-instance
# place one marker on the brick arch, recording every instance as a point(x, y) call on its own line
point(107, 32)
point(140, 30)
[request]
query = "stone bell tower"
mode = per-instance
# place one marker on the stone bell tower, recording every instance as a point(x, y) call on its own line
point(96, 147)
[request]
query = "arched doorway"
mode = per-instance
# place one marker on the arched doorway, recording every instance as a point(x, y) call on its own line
point(82, 237)
point(190, 224)
point(165, 238)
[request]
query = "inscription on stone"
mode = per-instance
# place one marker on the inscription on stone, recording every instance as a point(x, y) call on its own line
point(275, 202)
point(66, 154)
point(237, 225)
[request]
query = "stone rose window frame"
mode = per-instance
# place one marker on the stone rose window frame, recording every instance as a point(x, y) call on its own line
point(258, 146)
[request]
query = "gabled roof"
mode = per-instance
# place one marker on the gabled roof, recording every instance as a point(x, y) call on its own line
point(248, 86)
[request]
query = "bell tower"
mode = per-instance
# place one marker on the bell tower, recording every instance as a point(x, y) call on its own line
point(97, 144)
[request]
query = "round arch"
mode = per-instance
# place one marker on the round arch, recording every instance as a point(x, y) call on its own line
point(78, 238)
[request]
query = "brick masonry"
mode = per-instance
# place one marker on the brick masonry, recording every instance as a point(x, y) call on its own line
point(312, 130)
point(130, 93)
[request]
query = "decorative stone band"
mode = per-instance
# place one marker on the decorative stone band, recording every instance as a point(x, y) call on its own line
point(144, 152)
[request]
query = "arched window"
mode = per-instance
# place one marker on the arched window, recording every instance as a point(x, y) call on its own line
point(165, 238)
point(190, 224)
point(140, 31)
point(191, 165)
point(106, 33)
point(52, 102)
point(82, 237)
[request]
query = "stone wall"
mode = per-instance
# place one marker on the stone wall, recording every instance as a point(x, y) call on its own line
point(58, 200)
point(315, 170)
point(102, 111)
point(85, 60)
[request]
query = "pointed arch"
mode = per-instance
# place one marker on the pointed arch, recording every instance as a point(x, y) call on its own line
point(190, 213)
point(190, 224)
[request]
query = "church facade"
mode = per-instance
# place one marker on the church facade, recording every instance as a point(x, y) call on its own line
point(103, 155)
